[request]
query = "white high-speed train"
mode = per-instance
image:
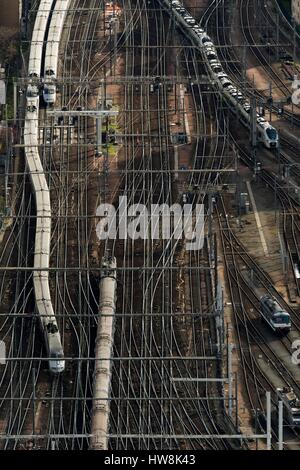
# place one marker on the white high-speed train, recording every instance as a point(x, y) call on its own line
point(266, 133)
point(42, 197)
point(37, 40)
point(36, 53)
point(103, 352)
point(52, 49)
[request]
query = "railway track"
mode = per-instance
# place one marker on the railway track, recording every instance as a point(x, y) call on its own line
point(253, 340)
point(290, 208)
point(145, 397)
point(215, 17)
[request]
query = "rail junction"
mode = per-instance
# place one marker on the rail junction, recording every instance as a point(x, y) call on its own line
point(141, 344)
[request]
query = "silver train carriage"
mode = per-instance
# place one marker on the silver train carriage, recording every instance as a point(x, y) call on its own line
point(42, 197)
point(266, 133)
point(274, 315)
point(291, 408)
point(52, 50)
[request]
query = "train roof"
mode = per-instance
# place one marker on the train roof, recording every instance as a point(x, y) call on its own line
point(291, 399)
point(272, 303)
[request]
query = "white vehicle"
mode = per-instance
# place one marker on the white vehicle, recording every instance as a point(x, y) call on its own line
point(267, 134)
point(225, 82)
point(43, 301)
point(52, 49)
point(32, 101)
point(235, 93)
point(56, 353)
point(190, 21)
point(261, 120)
point(216, 66)
point(206, 40)
point(240, 97)
point(247, 106)
point(198, 30)
point(291, 405)
point(209, 47)
point(229, 88)
point(49, 93)
point(274, 315)
point(211, 53)
point(37, 40)
point(222, 75)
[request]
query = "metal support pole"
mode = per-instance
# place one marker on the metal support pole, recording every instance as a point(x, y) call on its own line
point(236, 401)
point(7, 157)
point(269, 428)
point(277, 37)
point(115, 32)
point(256, 427)
point(229, 358)
point(270, 97)
point(275, 197)
point(210, 211)
point(280, 425)
point(294, 39)
point(275, 181)
point(227, 133)
point(220, 314)
point(253, 128)
point(244, 75)
point(99, 135)
point(33, 400)
point(15, 103)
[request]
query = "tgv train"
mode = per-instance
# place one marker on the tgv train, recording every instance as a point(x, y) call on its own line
point(291, 405)
point(103, 351)
point(32, 100)
point(37, 40)
point(266, 133)
point(35, 55)
point(42, 197)
point(278, 319)
point(52, 49)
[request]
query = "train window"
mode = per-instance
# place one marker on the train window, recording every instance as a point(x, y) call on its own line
point(52, 328)
point(282, 319)
point(271, 133)
point(217, 69)
point(49, 91)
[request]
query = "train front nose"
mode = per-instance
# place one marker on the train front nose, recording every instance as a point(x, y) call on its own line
point(57, 366)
